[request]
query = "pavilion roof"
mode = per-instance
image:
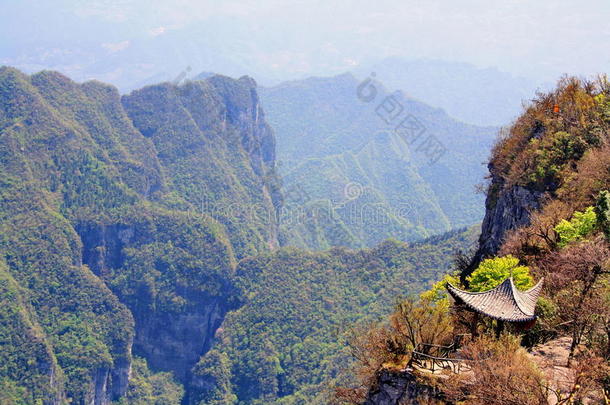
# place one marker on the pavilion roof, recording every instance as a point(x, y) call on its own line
point(503, 302)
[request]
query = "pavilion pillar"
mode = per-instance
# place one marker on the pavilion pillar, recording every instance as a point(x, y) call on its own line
point(474, 326)
point(499, 328)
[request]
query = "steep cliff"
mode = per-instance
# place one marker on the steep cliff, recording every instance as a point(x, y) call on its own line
point(506, 208)
point(172, 271)
point(218, 153)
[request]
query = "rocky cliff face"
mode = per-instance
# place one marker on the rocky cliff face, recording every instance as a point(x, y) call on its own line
point(401, 388)
point(169, 340)
point(108, 384)
point(506, 208)
point(176, 342)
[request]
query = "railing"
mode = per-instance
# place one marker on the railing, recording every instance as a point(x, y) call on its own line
point(458, 340)
point(433, 363)
point(434, 357)
point(436, 350)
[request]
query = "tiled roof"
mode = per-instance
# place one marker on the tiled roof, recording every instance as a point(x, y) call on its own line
point(504, 302)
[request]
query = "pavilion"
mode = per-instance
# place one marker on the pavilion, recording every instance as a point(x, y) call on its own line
point(504, 303)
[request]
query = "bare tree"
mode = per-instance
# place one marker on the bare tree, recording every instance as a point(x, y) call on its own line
point(573, 278)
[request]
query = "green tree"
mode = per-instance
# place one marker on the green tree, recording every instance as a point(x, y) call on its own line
point(12, 394)
point(148, 388)
point(491, 272)
point(438, 291)
point(580, 226)
point(213, 377)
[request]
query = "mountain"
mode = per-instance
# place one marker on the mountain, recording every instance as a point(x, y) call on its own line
point(121, 223)
point(215, 145)
point(481, 96)
point(358, 169)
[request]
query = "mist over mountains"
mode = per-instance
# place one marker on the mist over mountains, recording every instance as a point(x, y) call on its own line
point(466, 92)
point(481, 96)
point(132, 55)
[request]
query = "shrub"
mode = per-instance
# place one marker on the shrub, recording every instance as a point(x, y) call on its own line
point(415, 322)
point(602, 210)
point(553, 153)
point(146, 387)
point(578, 279)
point(541, 147)
point(502, 374)
point(438, 292)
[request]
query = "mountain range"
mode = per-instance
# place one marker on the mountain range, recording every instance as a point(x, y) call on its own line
point(107, 249)
point(480, 96)
point(356, 171)
point(139, 251)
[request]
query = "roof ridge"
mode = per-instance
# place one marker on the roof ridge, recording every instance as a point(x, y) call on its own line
point(516, 293)
point(531, 294)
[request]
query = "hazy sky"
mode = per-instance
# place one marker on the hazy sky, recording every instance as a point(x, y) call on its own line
point(536, 39)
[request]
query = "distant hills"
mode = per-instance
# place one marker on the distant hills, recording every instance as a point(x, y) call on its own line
point(481, 96)
point(351, 179)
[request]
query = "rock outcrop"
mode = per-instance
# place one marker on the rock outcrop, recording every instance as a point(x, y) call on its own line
point(401, 388)
point(510, 209)
point(506, 208)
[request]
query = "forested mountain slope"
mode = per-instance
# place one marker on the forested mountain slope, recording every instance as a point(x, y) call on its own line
point(354, 173)
point(286, 344)
point(216, 147)
point(105, 241)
